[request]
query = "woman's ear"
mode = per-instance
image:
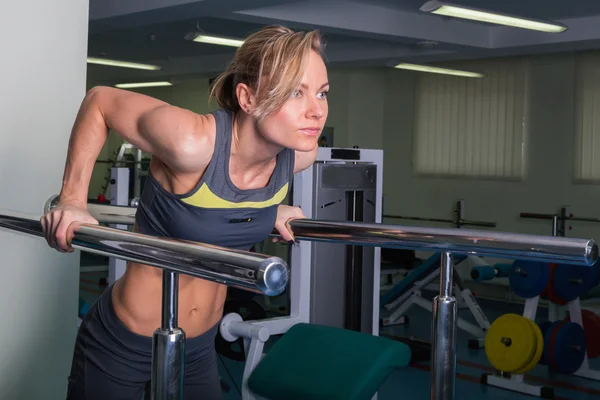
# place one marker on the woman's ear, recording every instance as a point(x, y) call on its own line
point(245, 97)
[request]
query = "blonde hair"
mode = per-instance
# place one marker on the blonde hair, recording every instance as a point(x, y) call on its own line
point(270, 61)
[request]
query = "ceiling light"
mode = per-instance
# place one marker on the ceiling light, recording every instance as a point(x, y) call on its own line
point(219, 40)
point(436, 70)
point(123, 64)
point(142, 85)
point(457, 11)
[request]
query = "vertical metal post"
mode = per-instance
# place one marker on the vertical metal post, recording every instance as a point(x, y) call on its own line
point(562, 229)
point(119, 196)
point(137, 176)
point(443, 356)
point(554, 225)
point(168, 345)
point(459, 213)
point(354, 266)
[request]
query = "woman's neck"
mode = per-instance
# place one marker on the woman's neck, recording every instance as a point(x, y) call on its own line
point(249, 149)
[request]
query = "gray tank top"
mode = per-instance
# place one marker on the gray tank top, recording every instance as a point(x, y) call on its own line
point(216, 211)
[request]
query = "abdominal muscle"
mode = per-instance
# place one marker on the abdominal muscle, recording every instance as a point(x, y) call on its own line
point(137, 301)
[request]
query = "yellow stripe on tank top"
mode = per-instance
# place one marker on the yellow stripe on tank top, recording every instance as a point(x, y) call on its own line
point(205, 198)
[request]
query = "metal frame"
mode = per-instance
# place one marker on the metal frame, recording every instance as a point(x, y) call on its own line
point(252, 273)
point(463, 294)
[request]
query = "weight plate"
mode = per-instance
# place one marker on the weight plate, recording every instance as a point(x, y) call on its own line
point(549, 343)
point(544, 327)
point(596, 274)
point(510, 343)
point(551, 292)
point(568, 348)
point(528, 278)
point(571, 282)
point(592, 334)
point(539, 350)
point(591, 327)
point(594, 277)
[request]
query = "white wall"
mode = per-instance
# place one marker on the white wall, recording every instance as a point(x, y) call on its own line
point(549, 159)
point(43, 81)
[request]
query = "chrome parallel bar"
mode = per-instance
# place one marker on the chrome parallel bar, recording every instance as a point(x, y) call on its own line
point(458, 241)
point(241, 269)
point(104, 213)
point(444, 330)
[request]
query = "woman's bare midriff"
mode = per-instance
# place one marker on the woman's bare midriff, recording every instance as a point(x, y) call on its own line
point(137, 295)
point(137, 301)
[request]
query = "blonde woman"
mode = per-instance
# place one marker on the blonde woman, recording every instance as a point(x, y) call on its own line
point(216, 178)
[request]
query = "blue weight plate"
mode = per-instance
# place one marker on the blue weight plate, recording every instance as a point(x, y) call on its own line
point(595, 275)
point(544, 327)
point(569, 348)
point(528, 278)
point(572, 281)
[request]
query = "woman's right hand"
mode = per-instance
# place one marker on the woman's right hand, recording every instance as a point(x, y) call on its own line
point(58, 227)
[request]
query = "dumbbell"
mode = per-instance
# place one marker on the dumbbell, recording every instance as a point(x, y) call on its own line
point(481, 273)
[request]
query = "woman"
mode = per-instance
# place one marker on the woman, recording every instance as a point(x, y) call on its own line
point(216, 178)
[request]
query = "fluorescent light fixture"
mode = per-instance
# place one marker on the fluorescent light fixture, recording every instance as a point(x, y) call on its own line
point(222, 41)
point(122, 64)
point(436, 70)
point(142, 85)
point(458, 11)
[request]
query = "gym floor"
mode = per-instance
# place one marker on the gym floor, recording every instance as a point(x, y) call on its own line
point(413, 382)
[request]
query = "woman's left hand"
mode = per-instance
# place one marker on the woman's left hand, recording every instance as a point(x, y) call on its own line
point(284, 215)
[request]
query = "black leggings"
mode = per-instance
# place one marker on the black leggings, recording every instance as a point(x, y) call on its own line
point(112, 363)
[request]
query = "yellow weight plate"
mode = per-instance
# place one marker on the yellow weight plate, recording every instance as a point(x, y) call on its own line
point(510, 343)
point(539, 350)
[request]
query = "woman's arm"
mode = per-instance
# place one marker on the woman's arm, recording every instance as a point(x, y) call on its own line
point(171, 133)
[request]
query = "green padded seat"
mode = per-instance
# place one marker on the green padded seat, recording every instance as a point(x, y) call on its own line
point(315, 362)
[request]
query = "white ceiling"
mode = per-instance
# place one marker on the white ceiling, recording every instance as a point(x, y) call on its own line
point(358, 33)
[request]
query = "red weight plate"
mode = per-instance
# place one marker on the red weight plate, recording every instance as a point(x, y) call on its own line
point(552, 296)
point(544, 294)
point(592, 333)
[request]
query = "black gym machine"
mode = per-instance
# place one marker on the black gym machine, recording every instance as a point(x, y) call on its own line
point(559, 220)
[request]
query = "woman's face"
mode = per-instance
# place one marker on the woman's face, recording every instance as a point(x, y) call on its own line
point(299, 122)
